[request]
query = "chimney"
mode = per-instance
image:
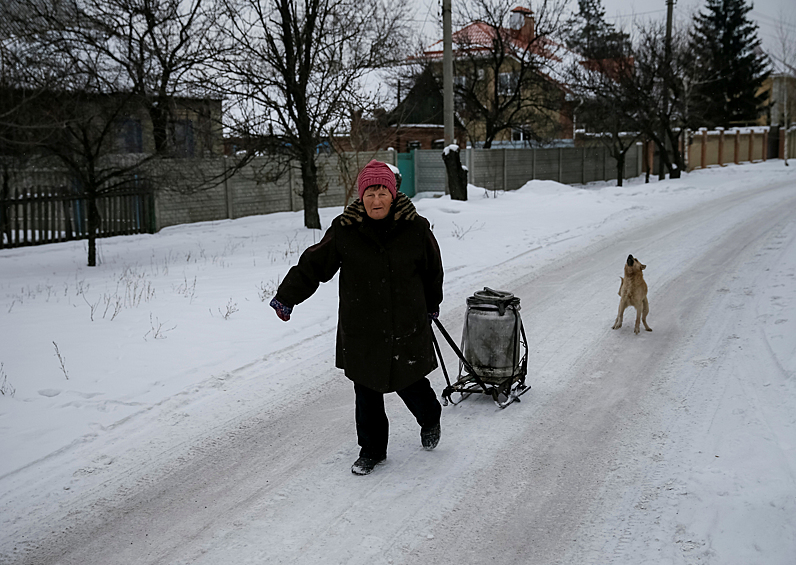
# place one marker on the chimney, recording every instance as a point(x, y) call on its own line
point(522, 24)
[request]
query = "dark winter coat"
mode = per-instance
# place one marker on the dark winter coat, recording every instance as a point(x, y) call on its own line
point(390, 279)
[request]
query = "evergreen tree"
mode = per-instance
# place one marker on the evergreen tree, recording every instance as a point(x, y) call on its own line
point(730, 66)
point(593, 37)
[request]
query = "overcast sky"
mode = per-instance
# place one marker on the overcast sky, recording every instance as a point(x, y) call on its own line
point(767, 14)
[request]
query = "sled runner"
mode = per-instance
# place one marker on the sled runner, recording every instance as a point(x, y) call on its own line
point(493, 358)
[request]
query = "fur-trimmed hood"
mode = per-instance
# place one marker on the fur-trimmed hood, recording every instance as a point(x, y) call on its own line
point(403, 209)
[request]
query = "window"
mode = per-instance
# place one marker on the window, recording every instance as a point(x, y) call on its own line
point(518, 134)
point(507, 83)
point(465, 81)
point(130, 138)
point(184, 145)
point(459, 87)
point(204, 132)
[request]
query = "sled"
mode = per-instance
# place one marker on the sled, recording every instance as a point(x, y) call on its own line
point(493, 357)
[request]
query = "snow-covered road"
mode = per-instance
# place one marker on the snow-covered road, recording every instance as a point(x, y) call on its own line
point(675, 446)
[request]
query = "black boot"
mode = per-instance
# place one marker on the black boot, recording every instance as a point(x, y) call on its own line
point(429, 437)
point(364, 465)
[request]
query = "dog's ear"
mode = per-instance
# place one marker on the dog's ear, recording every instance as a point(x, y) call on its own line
point(642, 266)
point(629, 260)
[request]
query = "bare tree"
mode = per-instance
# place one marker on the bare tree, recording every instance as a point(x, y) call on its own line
point(506, 68)
point(150, 48)
point(296, 70)
point(658, 92)
point(98, 63)
point(607, 105)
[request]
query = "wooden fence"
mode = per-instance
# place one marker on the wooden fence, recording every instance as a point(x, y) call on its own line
point(49, 215)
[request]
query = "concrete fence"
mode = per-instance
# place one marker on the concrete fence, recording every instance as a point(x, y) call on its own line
point(263, 186)
point(509, 169)
point(188, 190)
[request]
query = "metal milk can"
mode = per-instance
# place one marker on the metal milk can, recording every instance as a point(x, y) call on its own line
point(491, 336)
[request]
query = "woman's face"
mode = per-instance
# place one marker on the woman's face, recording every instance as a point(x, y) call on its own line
point(377, 200)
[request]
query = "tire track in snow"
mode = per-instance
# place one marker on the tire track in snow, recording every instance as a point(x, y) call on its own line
point(682, 296)
point(633, 512)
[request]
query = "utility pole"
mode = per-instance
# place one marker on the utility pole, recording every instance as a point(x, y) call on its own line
point(447, 71)
point(785, 118)
point(667, 70)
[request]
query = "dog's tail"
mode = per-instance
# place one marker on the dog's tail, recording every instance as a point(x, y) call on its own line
point(621, 285)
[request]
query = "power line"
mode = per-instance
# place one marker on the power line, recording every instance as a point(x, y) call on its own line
point(772, 21)
point(634, 15)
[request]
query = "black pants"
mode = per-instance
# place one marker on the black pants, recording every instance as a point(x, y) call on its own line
point(372, 424)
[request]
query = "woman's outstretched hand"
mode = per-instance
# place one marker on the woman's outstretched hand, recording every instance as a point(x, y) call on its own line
point(281, 310)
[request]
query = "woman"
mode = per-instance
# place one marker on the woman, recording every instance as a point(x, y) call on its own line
point(390, 286)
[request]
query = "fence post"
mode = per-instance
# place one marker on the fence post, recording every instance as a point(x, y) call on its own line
point(470, 168)
point(290, 176)
point(737, 145)
point(639, 160)
point(721, 147)
point(27, 206)
point(227, 194)
point(583, 165)
point(781, 149)
point(415, 157)
point(560, 163)
point(765, 145)
point(533, 163)
point(505, 184)
point(751, 145)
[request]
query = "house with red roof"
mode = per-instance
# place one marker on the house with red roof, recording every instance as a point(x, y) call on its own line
point(509, 81)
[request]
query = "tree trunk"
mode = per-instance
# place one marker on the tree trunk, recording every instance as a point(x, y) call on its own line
point(160, 126)
point(664, 162)
point(93, 229)
point(5, 216)
point(489, 135)
point(677, 164)
point(620, 167)
point(309, 187)
point(457, 176)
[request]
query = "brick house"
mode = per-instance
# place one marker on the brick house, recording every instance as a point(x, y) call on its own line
point(195, 128)
point(416, 122)
point(472, 47)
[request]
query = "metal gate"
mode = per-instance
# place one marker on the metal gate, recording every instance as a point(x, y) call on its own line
point(406, 164)
point(48, 215)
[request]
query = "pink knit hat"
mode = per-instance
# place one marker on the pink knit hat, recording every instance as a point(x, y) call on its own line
point(375, 173)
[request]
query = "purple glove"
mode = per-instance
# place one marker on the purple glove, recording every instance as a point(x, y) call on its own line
point(433, 316)
point(281, 310)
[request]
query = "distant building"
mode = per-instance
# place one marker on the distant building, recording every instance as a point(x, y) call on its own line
point(416, 122)
point(472, 46)
point(194, 129)
point(776, 85)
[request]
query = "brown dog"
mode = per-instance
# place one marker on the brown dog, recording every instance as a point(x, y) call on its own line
point(633, 292)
